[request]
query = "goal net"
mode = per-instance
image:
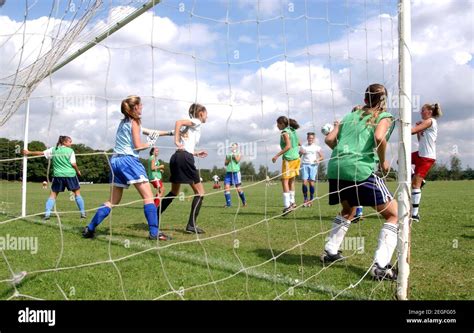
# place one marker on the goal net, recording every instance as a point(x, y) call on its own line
point(71, 63)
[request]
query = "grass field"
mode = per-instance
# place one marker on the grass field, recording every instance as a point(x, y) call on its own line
point(246, 253)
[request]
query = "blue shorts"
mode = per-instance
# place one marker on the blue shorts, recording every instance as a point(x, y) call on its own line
point(309, 171)
point(60, 183)
point(370, 192)
point(127, 170)
point(233, 178)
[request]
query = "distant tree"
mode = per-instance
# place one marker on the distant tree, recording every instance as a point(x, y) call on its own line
point(247, 168)
point(37, 167)
point(455, 171)
point(262, 172)
point(322, 175)
point(438, 172)
point(468, 173)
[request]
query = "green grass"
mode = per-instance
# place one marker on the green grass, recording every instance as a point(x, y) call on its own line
point(245, 254)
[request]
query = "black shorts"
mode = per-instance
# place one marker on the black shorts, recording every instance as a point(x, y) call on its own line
point(370, 192)
point(60, 183)
point(182, 168)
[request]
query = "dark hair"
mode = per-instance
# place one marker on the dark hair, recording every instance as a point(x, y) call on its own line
point(194, 110)
point(128, 105)
point(288, 122)
point(375, 102)
point(434, 108)
point(310, 133)
point(152, 151)
point(62, 139)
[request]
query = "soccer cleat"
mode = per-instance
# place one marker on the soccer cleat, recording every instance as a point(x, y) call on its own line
point(225, 206)
point(83, 216)
point(194, 230)
point(293, 205)
point(306, 203)
point(287, 210)
point(161, 236)
point(86, 233)
point(386, 273)
point(415, 218)
point(46, 218)
point(327, 258)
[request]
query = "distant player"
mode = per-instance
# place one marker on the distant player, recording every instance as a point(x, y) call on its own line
point(232, 176)
point(65, 172)
point(155, 171)
point(426, 131)
point(352, 182)
point(216, 180)
point(311, 155)
point(45, 185)
point(290, 168)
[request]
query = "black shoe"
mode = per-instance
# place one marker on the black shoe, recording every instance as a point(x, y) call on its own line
point(415, 218)
point(46, 218)
point(327, 258)
point(161, 236)
point(194, 230)
point(386, 273)
point(287, 210)
point(86, 233)
point(83, 216)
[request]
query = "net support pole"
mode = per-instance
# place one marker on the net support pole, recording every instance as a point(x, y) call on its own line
point(25, 160)
point(404, 148)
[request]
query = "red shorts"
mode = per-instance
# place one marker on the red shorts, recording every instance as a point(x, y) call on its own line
point(157, 183)
point(422, 164)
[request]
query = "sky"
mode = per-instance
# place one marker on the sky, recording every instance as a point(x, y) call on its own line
point(248, 62)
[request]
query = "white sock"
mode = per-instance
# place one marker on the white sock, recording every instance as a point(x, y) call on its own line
point(286, 199)
point(340, 225)
point(387, 244)
point(415, 201)
point(292, 197)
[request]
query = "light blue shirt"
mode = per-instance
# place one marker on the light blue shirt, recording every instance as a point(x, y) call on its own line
point(123, 139)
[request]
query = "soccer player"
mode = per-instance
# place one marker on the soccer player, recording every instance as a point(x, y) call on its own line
point(232, 176)
point(155, 171)
point(311, 155)
point(127, 170)
point(289, 144)
point(182, 167)
point(352, 182)
point(65, 172)
point(216, 179)
point(426, 131)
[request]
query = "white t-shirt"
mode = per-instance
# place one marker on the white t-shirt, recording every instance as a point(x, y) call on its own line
point(427, 142)
point(311, 153)
point(190, 135)
point(215, 178)
point(48, 153)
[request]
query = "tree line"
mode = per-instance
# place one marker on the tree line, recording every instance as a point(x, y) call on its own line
point(95, 168)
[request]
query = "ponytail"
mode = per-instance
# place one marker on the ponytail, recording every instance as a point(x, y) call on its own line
point(434, 108)
point(128, 107)
point(288, 122)
point(195, 109)
point(62, 139)
point(375, 102)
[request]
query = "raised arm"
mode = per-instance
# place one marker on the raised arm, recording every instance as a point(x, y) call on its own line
point(331, 138)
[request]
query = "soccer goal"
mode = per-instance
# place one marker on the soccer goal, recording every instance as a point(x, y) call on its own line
point(67, 65)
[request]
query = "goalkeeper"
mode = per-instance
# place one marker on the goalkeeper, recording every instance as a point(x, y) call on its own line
point(127, 169)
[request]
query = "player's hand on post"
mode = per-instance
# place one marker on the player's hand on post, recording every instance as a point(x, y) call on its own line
point(25, 152)
point(385, 167)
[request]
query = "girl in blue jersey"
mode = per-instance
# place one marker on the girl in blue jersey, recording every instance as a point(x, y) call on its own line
point(127, 170)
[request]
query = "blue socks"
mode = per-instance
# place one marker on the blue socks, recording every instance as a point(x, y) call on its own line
point(311, 192)
point(152, 218)
point(99, 216)
point(305, 192)
point(49, 206)
point(80, 204)
point(242, 197)
point(227, 199)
